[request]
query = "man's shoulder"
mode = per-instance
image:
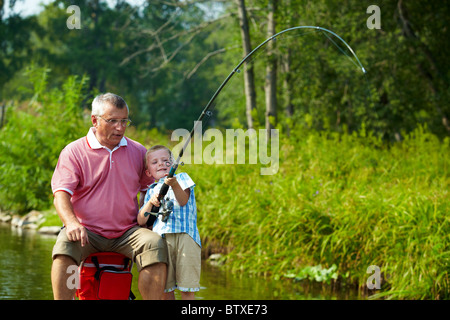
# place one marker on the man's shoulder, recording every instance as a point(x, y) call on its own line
point(76, 144)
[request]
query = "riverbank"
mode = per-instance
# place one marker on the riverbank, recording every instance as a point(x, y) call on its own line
point(43, 222)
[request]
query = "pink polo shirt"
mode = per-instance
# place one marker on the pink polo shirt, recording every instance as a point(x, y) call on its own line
point(103, 183)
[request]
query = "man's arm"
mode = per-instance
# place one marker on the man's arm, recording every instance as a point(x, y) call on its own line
point(74, 229)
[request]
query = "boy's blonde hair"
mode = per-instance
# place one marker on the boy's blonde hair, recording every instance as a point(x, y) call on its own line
point(156, 148)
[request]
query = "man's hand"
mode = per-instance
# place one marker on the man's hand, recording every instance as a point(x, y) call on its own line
point(74, 229)
point(76, 232)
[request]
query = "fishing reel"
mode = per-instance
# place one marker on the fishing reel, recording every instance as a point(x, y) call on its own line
point(165, 210)
point(166, 207)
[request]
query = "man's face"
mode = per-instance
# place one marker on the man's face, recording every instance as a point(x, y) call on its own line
point(109, 135)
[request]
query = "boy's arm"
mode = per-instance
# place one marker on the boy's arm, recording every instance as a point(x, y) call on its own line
point(142, 221)
point(182, 196)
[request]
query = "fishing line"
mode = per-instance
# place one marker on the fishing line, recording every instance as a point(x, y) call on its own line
point(209, 106)
point(341, 50)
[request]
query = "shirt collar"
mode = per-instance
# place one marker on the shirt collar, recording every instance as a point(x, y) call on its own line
point(94, 144)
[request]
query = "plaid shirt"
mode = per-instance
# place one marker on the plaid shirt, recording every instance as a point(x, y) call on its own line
point(182, 219)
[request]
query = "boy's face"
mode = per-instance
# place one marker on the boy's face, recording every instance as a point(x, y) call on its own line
point(158, 163)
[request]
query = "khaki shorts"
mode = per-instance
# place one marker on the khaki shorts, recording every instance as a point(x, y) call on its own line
point(142, 245)
point(184, 256)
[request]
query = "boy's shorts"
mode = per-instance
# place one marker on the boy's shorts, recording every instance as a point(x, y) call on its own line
point(184, 256)
point(142, 245)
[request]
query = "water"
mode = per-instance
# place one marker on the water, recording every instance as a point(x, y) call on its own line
point(25, 264)
point(25, 260)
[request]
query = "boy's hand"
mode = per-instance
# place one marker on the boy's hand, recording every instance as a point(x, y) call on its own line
point(154, 200)
point(170, 181)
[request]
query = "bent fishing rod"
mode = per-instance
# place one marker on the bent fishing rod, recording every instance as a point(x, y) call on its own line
point(167, 205)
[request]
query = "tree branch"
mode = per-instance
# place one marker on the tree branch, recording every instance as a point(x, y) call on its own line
point(205, 58)
point(159, 43)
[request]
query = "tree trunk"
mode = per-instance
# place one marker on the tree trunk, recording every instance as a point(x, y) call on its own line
point(249, 79)
point(270, 85)
point(431, 74)
point(287, 86)
point(2, 119)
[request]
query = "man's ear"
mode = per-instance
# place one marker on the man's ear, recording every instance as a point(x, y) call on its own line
point(94, 120)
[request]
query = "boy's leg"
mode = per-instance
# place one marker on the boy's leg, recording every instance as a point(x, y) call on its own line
point(171, 284)
point(187, 295)
point(188, 266)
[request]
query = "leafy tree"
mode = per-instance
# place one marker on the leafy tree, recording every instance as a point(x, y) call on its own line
point(15, 47)
point(33, 137)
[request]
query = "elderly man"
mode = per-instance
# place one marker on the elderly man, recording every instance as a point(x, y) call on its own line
point(95, 187)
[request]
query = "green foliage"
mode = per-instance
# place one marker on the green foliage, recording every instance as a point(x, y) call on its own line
point(148, 53)
point(348, 200)
point(34, 135)
point(315, 273)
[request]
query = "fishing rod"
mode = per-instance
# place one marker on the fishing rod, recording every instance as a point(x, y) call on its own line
point(167, 205)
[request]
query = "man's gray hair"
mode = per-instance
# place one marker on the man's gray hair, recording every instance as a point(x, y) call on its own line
point(103, 100)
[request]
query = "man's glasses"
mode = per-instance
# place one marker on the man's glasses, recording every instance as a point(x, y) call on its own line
point(113, 122)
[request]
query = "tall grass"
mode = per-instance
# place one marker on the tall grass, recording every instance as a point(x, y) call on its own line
point(338, 199)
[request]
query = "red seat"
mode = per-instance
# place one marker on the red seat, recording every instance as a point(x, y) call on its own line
point(105, 276)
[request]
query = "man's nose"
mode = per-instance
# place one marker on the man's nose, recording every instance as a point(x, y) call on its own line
point(119, 126)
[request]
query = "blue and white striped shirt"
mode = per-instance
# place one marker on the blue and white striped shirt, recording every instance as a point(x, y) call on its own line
point(182, 219)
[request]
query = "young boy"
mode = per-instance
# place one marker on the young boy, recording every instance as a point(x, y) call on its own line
point(180, 230)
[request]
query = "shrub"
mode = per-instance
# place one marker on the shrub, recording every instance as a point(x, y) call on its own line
point(34, 134)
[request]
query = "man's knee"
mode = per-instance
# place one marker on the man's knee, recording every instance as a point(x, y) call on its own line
point(64, 259)
point(158, 268)
point(153, 249)
point(154, 240)
point(146, 239)
point(66, 248)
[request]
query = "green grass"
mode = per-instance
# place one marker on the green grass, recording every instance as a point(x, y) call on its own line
point(338, 199)
point(51, 218)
